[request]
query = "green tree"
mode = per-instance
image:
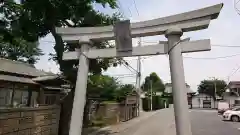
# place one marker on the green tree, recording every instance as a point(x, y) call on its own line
point(154, 81)
point(103, 87)
point(21, 51)
point(34, 19)
point(122, 92)
point(108, 88)
point(37, 18)
point(13, 46)
point(208, 87)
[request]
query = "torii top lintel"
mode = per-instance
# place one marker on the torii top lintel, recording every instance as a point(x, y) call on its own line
point(188, 21)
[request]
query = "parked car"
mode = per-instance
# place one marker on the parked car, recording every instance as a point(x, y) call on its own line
point(221, 111)
point(232, 114)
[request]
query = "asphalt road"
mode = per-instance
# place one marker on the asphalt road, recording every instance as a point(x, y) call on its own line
point(203, 122)
point(207, 122)
point(157, 124)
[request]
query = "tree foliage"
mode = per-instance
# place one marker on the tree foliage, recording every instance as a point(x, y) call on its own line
point(103, 87)
point(154, 81)
point(36, 18)
point(122, 92)
point(208, 87)
point(108, 88)
point(12, 46)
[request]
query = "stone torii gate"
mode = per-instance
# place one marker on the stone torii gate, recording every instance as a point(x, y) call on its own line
point(172, 27)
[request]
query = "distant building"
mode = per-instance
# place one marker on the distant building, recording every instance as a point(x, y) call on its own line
point(168, 88)
point(202, 100)
point(232, 94)
point(190, 92)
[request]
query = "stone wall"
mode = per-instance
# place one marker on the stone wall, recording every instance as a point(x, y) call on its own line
point(109, 112)
point(112, 113)
point(30, 121)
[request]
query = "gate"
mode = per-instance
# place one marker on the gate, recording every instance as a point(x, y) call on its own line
point(206, 103)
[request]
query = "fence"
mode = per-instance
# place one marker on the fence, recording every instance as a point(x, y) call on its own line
point(29, 121)
point(113, 112)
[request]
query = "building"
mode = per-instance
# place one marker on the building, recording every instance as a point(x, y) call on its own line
point(234, 86)
point(190, 92)
point(23, 85)
point(232, 94)
point(202, 100)
point(168, 88)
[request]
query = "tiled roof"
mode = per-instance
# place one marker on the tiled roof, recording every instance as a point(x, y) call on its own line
point(45, 78)
point(21, 68)
point(234, 82)
point(16, 79)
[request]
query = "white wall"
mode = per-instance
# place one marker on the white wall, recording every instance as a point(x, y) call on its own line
point(230, 99)
point(197, 101)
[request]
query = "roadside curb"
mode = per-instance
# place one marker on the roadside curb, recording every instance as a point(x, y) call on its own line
point(130, 123)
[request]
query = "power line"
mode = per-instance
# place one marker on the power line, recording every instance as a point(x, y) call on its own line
point(135, 5)
point(235, 6)
point(122, 75)
point(121, 10)
point(234, 72)
point(230, 46)
point(129, 66)
point(214, 58)
point(131, 76)
point(206, 58)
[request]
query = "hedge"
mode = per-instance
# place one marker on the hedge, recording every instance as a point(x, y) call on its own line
point(157, 103)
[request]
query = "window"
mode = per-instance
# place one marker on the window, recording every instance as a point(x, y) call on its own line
point(5, 95)
point(234, 89)
point(16, 94)
point(50, 99)
point(21, 97)
point(34, 98)
point(237, 102)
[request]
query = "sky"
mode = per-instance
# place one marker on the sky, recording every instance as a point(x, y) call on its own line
point(221, 62)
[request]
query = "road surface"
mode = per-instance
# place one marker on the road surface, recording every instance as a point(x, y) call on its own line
point(207, 122)
point(204, 122)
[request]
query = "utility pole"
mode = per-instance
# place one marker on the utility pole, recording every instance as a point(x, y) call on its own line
point(138, 80)
point(215, 90)
point(151, 93)
point(215, 86)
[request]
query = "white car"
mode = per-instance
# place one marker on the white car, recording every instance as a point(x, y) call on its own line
point(232, 114)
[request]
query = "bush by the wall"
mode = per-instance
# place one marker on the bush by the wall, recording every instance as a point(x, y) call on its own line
point(157, 103)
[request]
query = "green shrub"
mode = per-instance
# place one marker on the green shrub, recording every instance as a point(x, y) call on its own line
point(157, 103)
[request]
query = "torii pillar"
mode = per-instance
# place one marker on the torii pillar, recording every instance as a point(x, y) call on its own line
point(182, 120)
